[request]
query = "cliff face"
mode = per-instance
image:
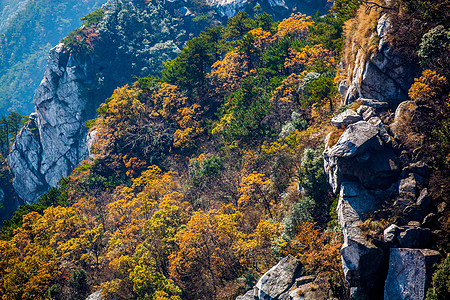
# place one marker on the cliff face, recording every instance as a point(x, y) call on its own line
point(386, 75)
point(53, 141)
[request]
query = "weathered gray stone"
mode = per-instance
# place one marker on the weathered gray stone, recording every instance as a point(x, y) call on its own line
point(409, 273)
point(278, 279)
point(308, 291)
point(369, 113)
point(362, 109)
point(390, 233)
point(95, 296)
point(250, 295)
point(423, 200)
point(53, 142)
point(362, 154)
point(403, 115)
point(386, 75)
point(345, 118)
point(342, 88)
point(361, 260)
point(407, 188)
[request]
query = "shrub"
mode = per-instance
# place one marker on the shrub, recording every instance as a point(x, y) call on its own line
point(427, 87)
point(440, 286)
point(434, 51)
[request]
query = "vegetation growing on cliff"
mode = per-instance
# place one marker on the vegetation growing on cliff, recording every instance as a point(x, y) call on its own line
point(24, 45)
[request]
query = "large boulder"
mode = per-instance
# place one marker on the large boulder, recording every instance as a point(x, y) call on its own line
point(409, 273)
point(279, 279)
point(362, 154)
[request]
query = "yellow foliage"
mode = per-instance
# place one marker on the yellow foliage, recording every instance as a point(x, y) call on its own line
point(122, 108)
point(262, 38)
point(169, 100)
point(228, 73)
point(111, 288)
point(295, 26)
point(190, 122)
point(308, 58)
point(288, 87)
point(252, 188)
point(427, 87)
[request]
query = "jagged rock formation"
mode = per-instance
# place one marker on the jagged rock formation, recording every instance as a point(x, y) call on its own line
point(386, 75)
point(360, 166)
point(53, 142)
point(365, 168)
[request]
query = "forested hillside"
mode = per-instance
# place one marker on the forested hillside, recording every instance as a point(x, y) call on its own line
point(9, 8)
point(199, 180)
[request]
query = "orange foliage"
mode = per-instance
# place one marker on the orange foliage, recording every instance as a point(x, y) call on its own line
point(262, 38)
point(319, 251)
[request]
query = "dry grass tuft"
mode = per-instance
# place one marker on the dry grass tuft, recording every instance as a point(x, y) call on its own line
point(361, 39)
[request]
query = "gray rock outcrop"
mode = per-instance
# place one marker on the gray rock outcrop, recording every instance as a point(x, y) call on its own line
point(95, 296)
point(364, 169)
point(282, 282)
point(361, 259)
point(409, 273)
point(363, 154)
point(53, 142)
point(385, 75)
point(345, 118)
point(278, 279)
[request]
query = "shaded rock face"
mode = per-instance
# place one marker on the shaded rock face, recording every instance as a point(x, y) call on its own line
point(386, 75)
point(361, 259)
point(409, 273)
point(53, 142)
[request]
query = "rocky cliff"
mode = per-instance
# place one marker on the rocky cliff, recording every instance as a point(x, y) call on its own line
point(374, 175)
point(385, 75)
point(53, 141)
point(367, 168)
point(278, 8)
